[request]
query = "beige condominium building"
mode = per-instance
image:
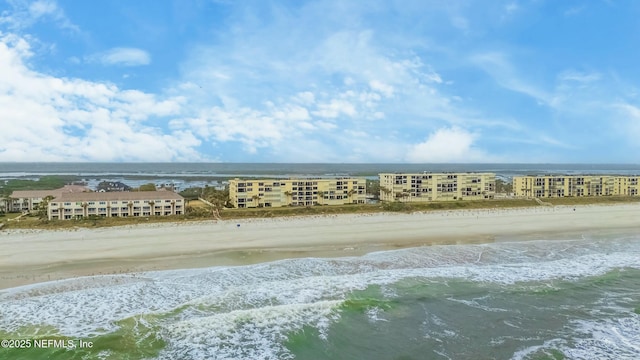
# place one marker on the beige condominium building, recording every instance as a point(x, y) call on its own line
point(296, 192)
point(28, 200)
point(422, 187)
point(115, 204)
point(575, 185)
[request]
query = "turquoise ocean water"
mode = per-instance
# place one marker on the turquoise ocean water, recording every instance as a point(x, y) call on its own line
point(547, 299)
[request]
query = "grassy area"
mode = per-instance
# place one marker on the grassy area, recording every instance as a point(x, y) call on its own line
point(47, 182)
point(583, 200)
point(32, 222)
point(197, 204)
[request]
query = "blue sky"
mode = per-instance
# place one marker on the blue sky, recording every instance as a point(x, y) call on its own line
point(320, 81)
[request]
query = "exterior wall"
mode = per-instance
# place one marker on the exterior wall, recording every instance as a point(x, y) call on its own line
point(426, 187)
point(23, 204)
point(17, 204)
point(575, 185)
point(296, 192)
point(61, 209)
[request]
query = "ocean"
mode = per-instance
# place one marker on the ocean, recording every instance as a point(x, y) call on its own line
point(187, 170)
point(545, 299)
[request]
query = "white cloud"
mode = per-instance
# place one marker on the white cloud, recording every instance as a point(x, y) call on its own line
point(577, 76)
point(122, 57)
point(335, 108)
point(498, 66)
point(386, 90)
point(628, 122)
point(25, 14)
point(45, 118)
point(447, 145)
point(306, 98)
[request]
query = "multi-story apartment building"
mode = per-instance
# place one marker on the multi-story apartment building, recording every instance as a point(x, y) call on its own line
point(28, 200)
point(296, 192)
point(575, 185)
point(422, 187)
point(115, 204)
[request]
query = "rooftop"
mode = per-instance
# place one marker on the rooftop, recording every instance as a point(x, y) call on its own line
point(124, 195)
point(20, 194)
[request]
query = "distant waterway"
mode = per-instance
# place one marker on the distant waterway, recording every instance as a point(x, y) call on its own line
point(185, 175)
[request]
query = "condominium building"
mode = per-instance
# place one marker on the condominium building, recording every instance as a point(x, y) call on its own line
point(575, 185)
point(28, 200)
point(296, 192)
point(116, 204)
point(422, 187)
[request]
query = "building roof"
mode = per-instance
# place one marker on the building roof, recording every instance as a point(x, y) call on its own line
point(21, 194)
point(121, 195)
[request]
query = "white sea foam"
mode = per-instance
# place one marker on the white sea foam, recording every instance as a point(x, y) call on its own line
point(286, 295)
point(605, 339)
point(246, 334)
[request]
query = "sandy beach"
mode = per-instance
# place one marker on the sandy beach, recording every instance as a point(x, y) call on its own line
point(31, 256)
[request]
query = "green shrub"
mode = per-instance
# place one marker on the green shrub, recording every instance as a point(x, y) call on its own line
point(396, 206)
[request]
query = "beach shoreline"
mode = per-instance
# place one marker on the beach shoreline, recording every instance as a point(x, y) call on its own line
point(33, 256)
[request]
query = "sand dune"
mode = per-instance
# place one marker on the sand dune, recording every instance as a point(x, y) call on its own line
point(35, 256)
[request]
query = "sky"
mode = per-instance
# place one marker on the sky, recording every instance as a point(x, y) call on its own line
point(336, 81)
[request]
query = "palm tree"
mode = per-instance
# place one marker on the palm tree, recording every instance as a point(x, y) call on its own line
point(350, 194)
point(130, 206)
point(43, 207)
point(151, 205)
point(405, 193)
point(320, 197)
point(256, 198)
point(84, 209)
point(6, 199)
point(288, 194)
point(173, 207)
